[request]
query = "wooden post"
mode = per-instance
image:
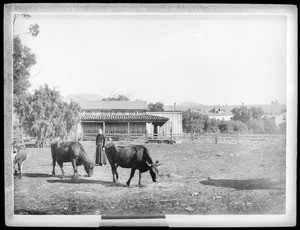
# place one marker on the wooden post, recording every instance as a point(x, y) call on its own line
point(147, 136)
point(103, 127)
point(216, 138)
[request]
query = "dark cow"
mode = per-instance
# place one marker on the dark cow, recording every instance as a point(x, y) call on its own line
point(20, 155)
point(71, 151)
point(131, 156)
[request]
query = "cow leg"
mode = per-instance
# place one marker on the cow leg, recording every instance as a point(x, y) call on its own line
point(117, 175)
point(53, 170)
point(131, 175)
point(74, 168)
point(20, 169)
point(61, 168)
point(15, 169)
point(114, 174)
point(140, 178)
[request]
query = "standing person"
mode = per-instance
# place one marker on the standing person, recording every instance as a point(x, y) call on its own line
point(100, 150)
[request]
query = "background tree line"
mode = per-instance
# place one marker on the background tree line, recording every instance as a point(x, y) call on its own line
point(245, 120)
point(41, 114)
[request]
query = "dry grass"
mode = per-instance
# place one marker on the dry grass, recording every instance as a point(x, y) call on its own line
point(194, 179)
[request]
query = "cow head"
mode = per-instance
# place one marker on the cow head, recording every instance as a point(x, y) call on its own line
point(89, 168)
point(153, 170)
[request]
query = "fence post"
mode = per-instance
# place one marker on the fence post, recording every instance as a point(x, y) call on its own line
point(216, 138)
point(237, 136)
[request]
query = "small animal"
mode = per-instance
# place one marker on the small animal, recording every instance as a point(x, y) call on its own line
point(20, 155)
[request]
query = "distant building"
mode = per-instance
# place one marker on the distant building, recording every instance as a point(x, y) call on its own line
point(117, 117)
point(218, 113)
point(280, 118)
point(172, 126)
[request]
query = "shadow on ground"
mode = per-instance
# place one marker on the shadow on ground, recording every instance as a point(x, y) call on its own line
point(37, 175)
point(249, 184)
point(29, 212)
point(70, 180)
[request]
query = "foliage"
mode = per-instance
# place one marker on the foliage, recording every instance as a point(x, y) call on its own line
point(244, 121)
point(23, 60)
point(34, 29)
point(244, 114)
point(193, 121)
point(196, 122)
point(256, 112)
point(156, 107)
point(282, 128)
point(269, 125)
point(117, 97)
point(236, 126)
point(255, 125)
point(45, 115)
point(223, 126)
point(241, 114)
point(211, 125)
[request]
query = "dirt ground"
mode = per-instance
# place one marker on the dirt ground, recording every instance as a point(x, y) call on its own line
point(195, 178)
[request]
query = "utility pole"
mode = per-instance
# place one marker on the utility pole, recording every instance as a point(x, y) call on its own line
point(271, 108)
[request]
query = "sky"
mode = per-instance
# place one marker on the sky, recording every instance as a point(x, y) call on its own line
point(208, 59)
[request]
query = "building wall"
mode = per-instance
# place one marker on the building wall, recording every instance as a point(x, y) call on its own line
point(122, 127)
point(174, 122)
point(91, 127)
point(138, 127)
point(280, 118)
point(116, 127)
point(225, 118)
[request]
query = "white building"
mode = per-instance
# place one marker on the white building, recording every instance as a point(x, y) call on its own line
point(173, 125)
point(217, 113)
point(280, 118)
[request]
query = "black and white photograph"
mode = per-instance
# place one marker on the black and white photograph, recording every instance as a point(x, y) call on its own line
point(178, 115)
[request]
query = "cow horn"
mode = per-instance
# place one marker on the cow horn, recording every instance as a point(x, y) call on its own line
point(157, 163)
point(148, 163)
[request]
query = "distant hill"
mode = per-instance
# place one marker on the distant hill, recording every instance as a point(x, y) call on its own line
point(83, 97)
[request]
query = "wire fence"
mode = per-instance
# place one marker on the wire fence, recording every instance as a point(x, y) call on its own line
point(188, 137)
point(216, 138)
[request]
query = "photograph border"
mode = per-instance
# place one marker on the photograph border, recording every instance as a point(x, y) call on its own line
point(289, 219)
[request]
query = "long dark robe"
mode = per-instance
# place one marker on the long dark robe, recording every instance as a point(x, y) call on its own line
point(100, 154)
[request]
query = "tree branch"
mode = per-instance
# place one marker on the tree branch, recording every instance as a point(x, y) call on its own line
point(22, 33)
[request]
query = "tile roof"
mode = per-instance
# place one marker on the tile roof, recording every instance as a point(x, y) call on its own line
point(113, 105)
point(126, 118)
